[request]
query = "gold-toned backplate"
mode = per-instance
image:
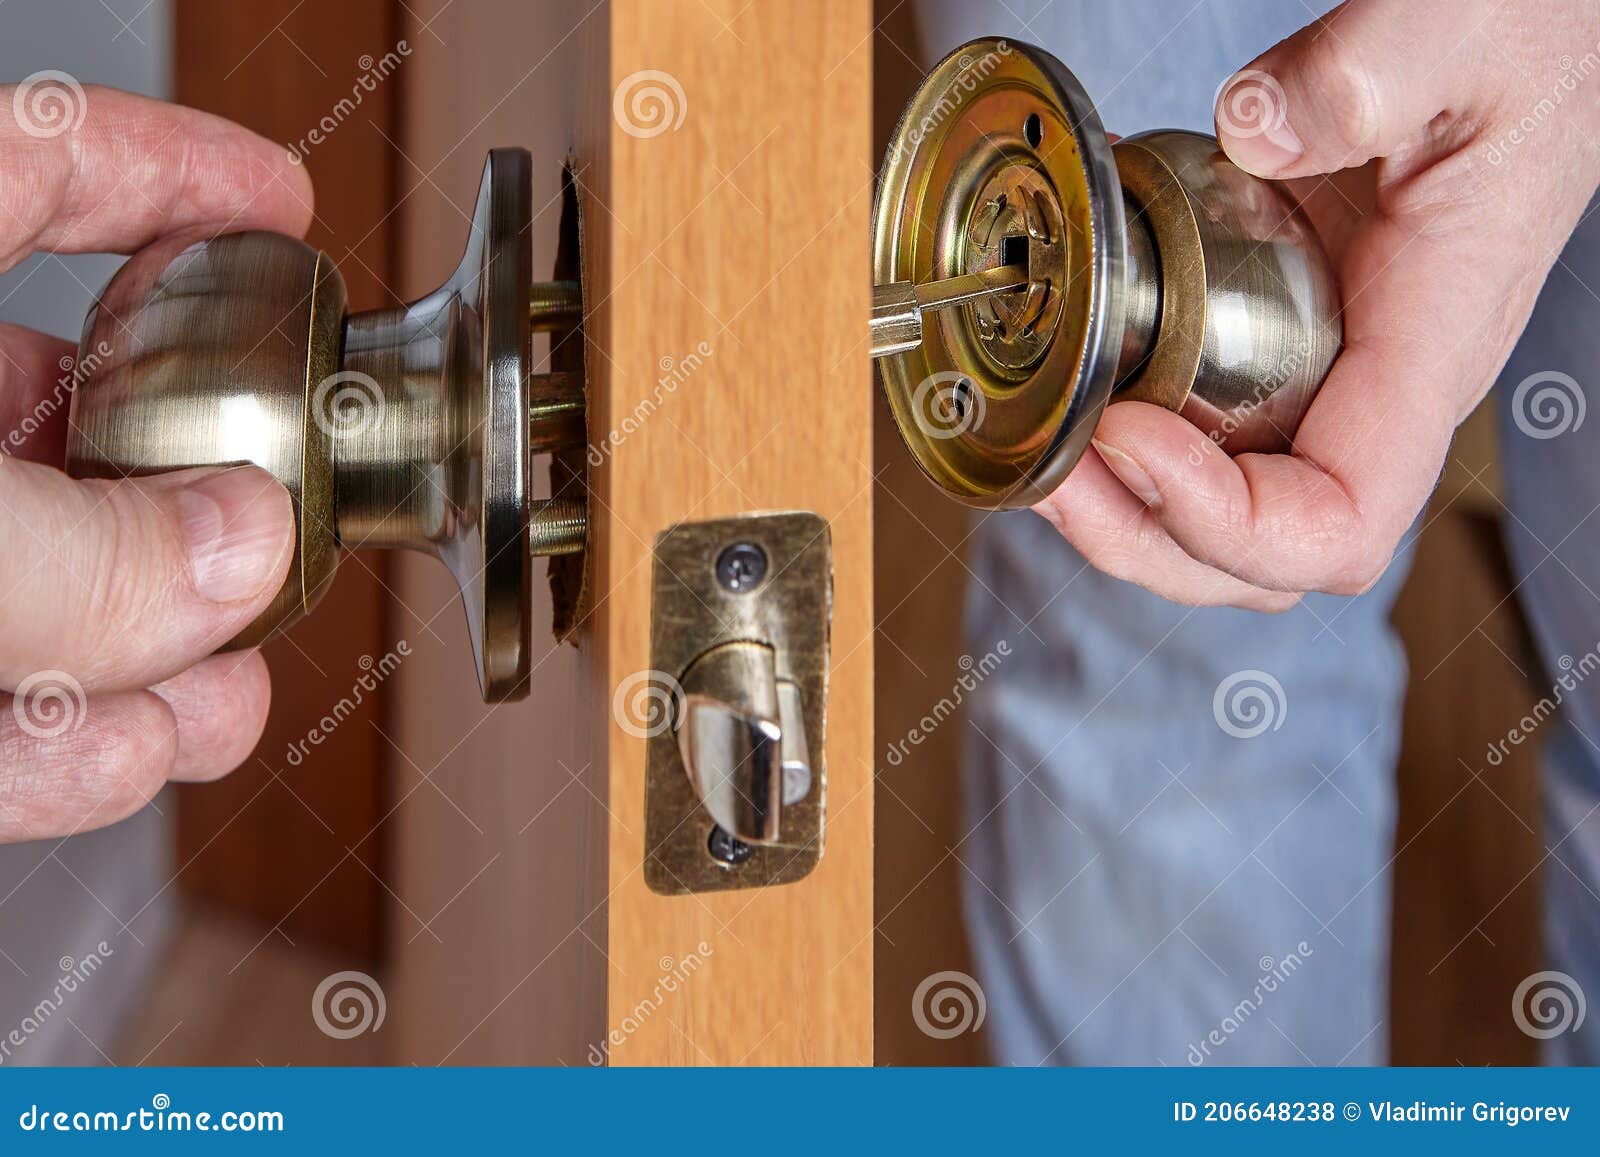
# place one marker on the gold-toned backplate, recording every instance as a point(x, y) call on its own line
point(1000, 159)
point(700, 609)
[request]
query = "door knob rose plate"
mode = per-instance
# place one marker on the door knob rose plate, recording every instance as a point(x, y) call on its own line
point(1027, 272)
point(406, 427)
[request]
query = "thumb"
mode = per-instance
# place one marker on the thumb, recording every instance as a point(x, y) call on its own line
point(124, 584)
point(1368, 80)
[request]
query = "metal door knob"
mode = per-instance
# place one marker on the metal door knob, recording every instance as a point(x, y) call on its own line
point(408, 427)
point(1029, 271)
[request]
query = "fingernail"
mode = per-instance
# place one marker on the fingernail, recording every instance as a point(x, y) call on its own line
point(1253, 123)
point(1129, 473)
point(239, 530)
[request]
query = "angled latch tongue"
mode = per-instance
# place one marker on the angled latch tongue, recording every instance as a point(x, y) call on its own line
point(741, 735)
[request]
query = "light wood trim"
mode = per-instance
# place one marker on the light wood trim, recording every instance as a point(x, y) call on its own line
point(746, 228)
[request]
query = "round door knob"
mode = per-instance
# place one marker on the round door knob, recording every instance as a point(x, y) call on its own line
point(1028, 272)
point(407, 427)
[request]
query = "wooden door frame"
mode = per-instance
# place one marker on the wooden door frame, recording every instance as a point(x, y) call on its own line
point(522, 929)
point(743, 227)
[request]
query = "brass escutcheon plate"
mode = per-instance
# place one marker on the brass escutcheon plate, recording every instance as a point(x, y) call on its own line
point(1000, 158)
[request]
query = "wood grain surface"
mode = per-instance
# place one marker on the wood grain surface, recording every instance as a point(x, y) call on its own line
point(744, 228)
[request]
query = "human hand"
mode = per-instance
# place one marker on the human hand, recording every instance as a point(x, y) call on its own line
point(1483, 159)
point(114, 594)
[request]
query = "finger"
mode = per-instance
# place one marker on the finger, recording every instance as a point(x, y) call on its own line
point(1327, 517)
point(221, 706)
point(124, 584)
point(121, 170)
point(69, 764)
point(36, 383)
point(1115, 534)
point(1373, 78)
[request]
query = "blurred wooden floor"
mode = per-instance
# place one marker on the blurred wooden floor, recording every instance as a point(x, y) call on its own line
point(226, 996)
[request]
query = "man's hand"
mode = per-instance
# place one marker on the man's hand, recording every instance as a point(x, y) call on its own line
point(1481, 120)
point(113, 594)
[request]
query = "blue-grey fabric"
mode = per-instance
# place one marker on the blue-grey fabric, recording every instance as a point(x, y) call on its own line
point(1552, 478)
point(1153, 882)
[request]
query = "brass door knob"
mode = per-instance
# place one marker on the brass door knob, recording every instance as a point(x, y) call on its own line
point(1028, 271)
point(408, 427)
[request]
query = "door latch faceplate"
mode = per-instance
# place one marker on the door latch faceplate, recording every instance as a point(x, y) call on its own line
point(735, 787)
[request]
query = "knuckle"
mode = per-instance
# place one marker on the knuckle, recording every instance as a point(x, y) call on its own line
point(1362, 571)
point(91, 775)
point(133, 567)
point(1347, 93)
point(1277, 602)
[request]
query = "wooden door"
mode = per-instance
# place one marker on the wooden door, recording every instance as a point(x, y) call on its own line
point(721, 156)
